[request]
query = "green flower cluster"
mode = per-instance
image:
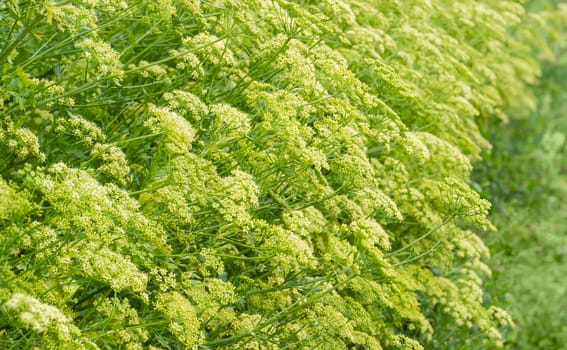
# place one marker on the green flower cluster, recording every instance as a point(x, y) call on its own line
point(251, 174)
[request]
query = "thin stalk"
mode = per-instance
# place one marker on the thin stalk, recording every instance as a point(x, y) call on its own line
point(422, 237)
point(27, 30)
point(284, 313)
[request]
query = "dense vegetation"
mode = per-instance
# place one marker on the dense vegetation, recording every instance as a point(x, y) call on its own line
point(525, 178)
point(245, 174)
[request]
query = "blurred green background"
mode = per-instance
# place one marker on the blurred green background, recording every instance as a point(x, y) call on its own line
point(525, 177)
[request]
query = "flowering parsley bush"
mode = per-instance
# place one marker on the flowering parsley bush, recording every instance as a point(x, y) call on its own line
point(246, 174)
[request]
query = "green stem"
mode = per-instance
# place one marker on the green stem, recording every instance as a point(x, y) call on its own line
point(422, 237)
point(284, 313)
point(8, 50)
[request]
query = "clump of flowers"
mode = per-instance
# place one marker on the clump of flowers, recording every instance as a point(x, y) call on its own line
point(251, 174)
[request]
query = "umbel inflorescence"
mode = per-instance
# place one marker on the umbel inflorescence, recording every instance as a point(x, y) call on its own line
point(245, 174)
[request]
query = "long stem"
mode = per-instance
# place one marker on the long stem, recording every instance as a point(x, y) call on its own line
point(27, 30)
point(422, 237)
point(284, 313)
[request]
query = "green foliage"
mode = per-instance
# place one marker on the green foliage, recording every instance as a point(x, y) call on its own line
point(525, 176)
point(251, 174)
